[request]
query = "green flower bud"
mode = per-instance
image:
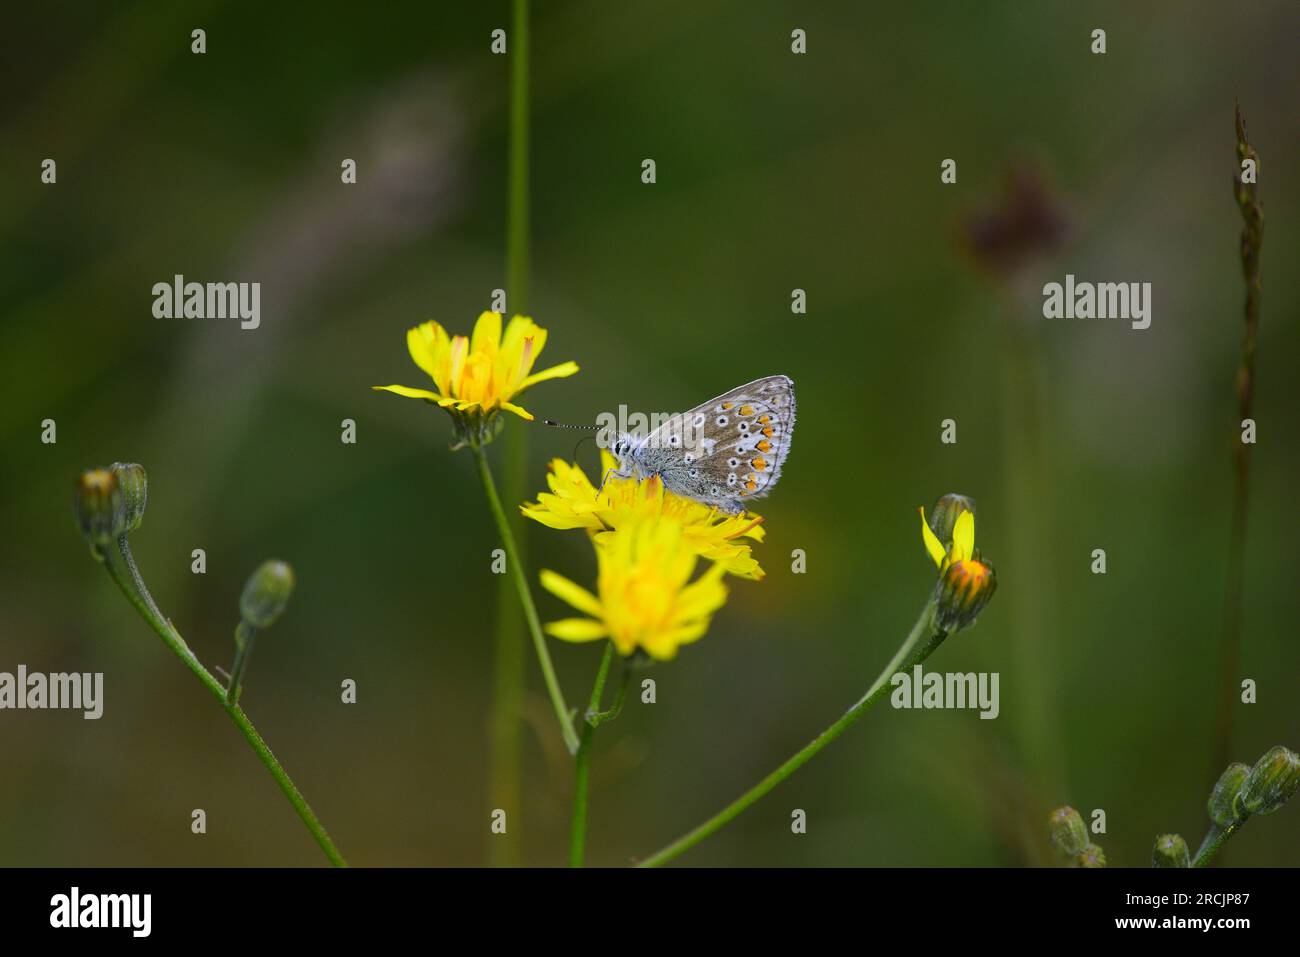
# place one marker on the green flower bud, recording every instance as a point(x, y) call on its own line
point(963, 590)
point(135, 491)
point(1092, 856)
point(266, 594)
point(1170, 851)
point(944, 515)
point(1224, 806)
point(1067, 832)
point(99, 506)
point(1272, 781)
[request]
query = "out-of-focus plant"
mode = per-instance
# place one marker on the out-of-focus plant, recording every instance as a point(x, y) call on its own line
point(1246, 192)
point(1241, 792)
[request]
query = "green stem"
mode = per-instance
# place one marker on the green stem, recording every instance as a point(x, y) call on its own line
point(919, 645)
point(582, 767)
point(244, 635)
point(517, 218)
point(516, 571)
point(1214, 841)
point(133, 587)
point(508, 658)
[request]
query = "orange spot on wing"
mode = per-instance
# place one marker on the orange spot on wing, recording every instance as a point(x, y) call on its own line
point(727, 405)
point(768, 431)
point(764, 419)
point(764, 445)
point(759, 463)
point(751, 486)
point(746, 410)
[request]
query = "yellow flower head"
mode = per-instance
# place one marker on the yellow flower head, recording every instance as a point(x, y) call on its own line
point(949, 534)
point(966, 581)
point(574, 502)
point(646, 599)
point(476, 376)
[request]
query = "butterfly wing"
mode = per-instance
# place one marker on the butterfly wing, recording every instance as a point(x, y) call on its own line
point(729, 449)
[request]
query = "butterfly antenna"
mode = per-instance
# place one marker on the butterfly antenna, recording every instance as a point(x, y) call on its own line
point(560, 425)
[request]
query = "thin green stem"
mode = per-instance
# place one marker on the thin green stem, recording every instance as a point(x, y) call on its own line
point(1213, 843)
point(516, 570)
point(517, 199)
point(132, 586)
point(600, 717)
point(920, 643)
point(244, 636)
point(582, 767)
point(508, 658)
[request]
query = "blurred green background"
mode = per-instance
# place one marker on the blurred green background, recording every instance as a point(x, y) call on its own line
point(775, 171)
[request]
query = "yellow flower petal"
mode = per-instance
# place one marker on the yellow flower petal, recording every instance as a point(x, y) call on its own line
point(522, 413)
point(487, 335)
point(576, 629)
point(552, 518)
point(963, 537)
point(517, 330)
point(408, 392)
point(459, 350)
point(562, 371)
point(427, 343)
point(932, 543)
point(664, 645)
point(575, 595)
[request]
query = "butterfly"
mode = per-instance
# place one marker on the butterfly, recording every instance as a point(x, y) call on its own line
point(722, 453)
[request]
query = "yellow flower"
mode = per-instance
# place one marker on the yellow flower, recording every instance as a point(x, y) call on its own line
point(966, 581)
point(644, 598)
point(574, 502)
point(478, 376)
point(959, 549)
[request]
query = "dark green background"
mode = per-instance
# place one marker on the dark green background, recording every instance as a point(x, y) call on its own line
point(774, 171)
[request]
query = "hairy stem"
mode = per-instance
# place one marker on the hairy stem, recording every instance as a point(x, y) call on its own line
point(1214, 841)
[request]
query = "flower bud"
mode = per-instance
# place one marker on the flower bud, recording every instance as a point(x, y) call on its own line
point(135, 492)
point(266, 594)
point(99, 506)
point(1092, 856)
point(943, 516)
point(1224, 805)
point(1067, 832)
point(1272, 781)
point(1170, 851)
point(963, 590)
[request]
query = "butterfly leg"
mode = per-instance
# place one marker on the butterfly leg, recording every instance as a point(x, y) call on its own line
point(617, 473)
